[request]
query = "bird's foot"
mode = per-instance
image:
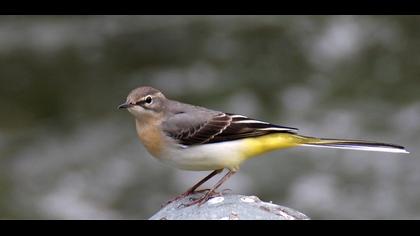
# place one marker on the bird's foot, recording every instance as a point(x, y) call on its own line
point(202, 199)
point(187, 193)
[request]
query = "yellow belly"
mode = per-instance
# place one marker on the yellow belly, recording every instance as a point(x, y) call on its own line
point(230, 154)
point(271, 142)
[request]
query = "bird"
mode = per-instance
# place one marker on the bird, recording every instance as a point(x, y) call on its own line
point(196, 138)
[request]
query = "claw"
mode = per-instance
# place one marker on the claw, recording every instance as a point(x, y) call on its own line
point(193, 188)
point(177, 198)
point(210, 192)
point(200, 201)
point(184, 195)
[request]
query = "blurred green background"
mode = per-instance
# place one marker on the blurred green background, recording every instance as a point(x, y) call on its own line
point(66, 152)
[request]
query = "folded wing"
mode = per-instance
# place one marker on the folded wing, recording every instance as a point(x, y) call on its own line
point(219, 127)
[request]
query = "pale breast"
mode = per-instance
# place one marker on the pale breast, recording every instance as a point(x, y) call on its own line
point(206, 157)
point(200, 157)
point(151, 137)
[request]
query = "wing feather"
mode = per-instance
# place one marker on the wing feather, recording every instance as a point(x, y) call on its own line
point(220, 127)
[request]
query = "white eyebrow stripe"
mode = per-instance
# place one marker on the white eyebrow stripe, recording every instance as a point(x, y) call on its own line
point(249, 122)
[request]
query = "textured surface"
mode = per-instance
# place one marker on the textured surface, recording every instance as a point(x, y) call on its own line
point(227, 207)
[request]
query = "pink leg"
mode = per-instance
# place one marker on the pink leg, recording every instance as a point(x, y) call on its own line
point(193, 188)
point(211, 192)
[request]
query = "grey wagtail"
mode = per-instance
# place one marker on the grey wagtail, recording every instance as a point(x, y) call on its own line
point(199, 139)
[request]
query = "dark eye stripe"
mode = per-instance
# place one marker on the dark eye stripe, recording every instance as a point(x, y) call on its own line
point(140, 103)
point(143, 103)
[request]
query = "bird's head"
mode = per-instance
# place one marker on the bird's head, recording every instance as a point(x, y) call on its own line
point(144, 102)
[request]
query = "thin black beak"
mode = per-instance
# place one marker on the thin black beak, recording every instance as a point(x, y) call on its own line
point(125, 105)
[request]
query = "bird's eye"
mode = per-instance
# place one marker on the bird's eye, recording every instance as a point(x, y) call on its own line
point(148, 99)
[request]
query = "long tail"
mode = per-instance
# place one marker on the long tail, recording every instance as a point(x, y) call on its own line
point(351, 144)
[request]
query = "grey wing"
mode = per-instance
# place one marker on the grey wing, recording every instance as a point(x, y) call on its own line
point(202, 127)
